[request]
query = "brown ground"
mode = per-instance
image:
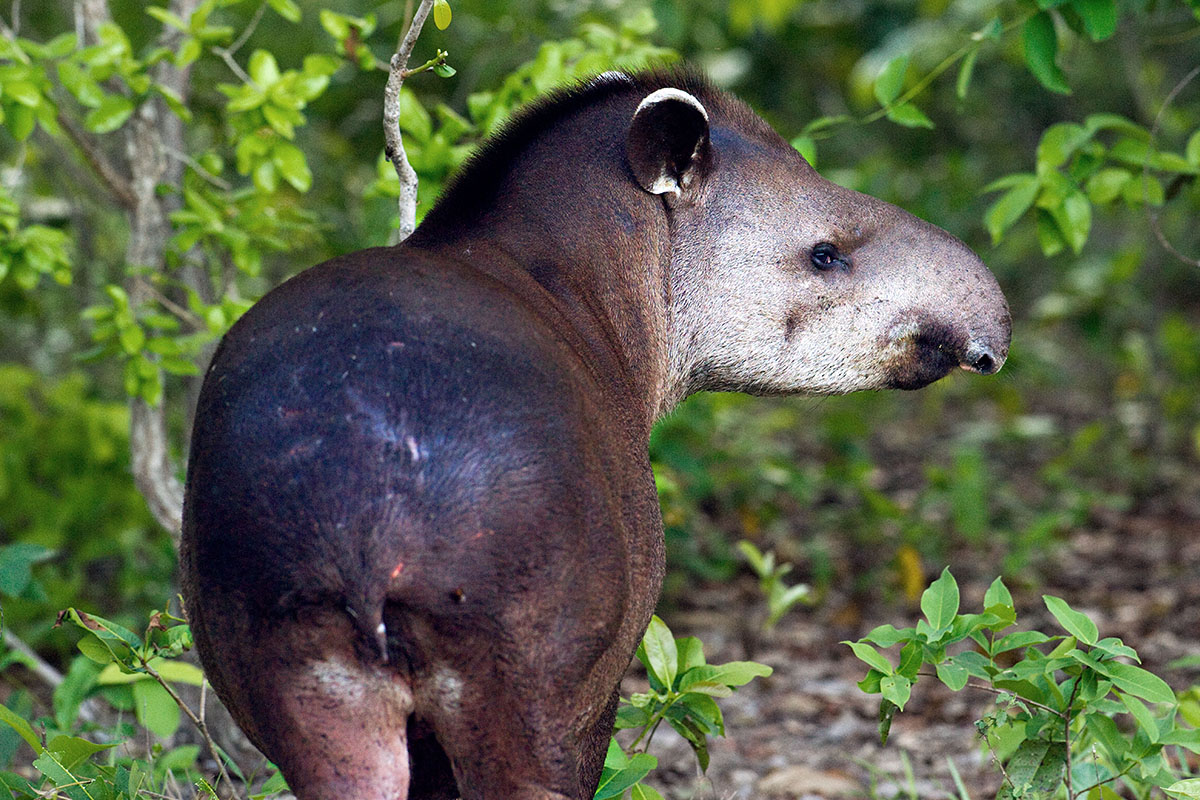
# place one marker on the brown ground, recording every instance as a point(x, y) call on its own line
point(807, 731)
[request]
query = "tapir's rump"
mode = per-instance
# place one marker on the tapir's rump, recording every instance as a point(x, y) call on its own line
point(421, 535)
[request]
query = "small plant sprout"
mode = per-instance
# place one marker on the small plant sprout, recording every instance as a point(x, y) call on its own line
point(683, 692)
point(780, 597)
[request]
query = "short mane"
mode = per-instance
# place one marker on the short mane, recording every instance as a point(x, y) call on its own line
point(477, 181)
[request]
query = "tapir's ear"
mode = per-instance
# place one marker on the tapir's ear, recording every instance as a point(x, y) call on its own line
point(668, 138)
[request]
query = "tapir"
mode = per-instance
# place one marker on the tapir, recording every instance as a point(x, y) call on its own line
point(421, 535)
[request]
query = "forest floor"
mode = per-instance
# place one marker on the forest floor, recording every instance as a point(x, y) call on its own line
point(807, 731)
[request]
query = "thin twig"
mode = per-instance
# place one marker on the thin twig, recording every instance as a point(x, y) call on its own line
point(1152, 217)
point(226, 53)
point(249, 31)
point(1003, 692)
point(197, 721)
point(215, 180)
point(108, 173)
point(183, 314)
point(996, 760)
point(16, 17)
point(393, 141)
point(235, 68)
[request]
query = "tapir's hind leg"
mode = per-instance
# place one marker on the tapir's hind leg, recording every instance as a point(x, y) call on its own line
point(314, 700)
point(519, 729)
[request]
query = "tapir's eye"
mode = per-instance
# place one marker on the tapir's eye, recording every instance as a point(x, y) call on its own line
point(826, 256)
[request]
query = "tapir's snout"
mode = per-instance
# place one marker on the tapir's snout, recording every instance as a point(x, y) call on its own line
point(959, 318)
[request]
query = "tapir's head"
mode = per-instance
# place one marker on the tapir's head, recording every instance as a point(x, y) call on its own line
point(785, 282)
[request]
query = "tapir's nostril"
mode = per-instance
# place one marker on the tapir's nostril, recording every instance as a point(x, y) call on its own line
point(980, 358)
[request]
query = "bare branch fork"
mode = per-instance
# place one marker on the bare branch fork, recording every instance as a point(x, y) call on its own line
point(394, 143)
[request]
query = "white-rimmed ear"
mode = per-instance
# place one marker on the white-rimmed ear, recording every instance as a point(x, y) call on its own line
point(667, 141)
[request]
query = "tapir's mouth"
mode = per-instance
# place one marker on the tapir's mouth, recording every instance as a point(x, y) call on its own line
point(924, 356)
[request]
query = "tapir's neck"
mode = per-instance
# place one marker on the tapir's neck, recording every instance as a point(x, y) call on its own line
point(573, 220)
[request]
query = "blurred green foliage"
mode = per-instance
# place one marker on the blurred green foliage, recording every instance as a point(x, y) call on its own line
point(75, 530)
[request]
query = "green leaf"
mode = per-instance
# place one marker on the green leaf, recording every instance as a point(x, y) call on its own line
point(887, 712)
point(1140, 682)
point(891, 80)
point(264, 69)
point(155, 709)
point(75, 687)
point(336, 25)
point(965, 71)
point(1107, 121)
point(896, 689)
point(1142, 714)
point(166, 18)
point(953, 675)
point(111, 114)
point(441, 14)
point(95, 650)
point(101, 628)
point(631, 717)
point(1107, 184)
point(1004, 213)
point(909, 116)
point(615, 783)
point(16, 566)
point(1183, 737)
point(734, 673)
point(444, 71)
point(23, 92)
point(71, 751)
point(939, 603)
point(414, 119)
point(662, 657)
point(1192, 152)
point(691, 653)
point(888, 635)
point(1040, 43)
point(1099, 17)
point(975, 663)
point(23, 728)
point(709, 689)
point(1107, 733)
point(292, 165)
point(872, 657)
point(286, 9)
point(1189, 788)
point(1115, 647)
point(1059, 142)
point(1074, 219)
point(641, 791)
point(1076, 623)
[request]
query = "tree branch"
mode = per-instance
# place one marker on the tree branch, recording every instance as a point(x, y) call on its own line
point(149, 137)
point(394, 142)
point(112, 177)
